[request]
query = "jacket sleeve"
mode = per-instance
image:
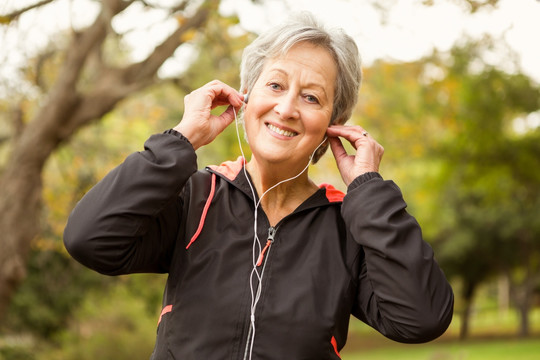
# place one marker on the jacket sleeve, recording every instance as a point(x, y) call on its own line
point(129, 221)
point(402, 292)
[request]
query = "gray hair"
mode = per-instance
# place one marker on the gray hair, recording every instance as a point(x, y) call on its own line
point(303, 27)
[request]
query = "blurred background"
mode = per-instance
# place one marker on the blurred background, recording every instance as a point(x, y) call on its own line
point(451, 90)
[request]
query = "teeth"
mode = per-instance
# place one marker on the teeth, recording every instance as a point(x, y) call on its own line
point(280, 131)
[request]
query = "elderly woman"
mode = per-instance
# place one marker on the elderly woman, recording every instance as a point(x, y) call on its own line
point(262, 262)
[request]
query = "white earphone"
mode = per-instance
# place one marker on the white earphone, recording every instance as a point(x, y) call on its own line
point(257, 246)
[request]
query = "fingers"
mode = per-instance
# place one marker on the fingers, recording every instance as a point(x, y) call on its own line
point(212, 95)
point(227, 116)
point(223, 94)
point(353, 134)
point(357, 136)
point(198, 124)
point(367, 156)
point(337, 148)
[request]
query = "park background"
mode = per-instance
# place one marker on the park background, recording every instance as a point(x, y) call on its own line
point(451, 90)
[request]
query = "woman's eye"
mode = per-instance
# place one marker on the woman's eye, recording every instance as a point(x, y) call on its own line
point(312, 99)
point(275, 86)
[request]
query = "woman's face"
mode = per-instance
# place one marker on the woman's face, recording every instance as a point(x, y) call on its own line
point(291, 105)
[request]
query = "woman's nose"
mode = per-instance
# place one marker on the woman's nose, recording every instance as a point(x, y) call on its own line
point(287, 106)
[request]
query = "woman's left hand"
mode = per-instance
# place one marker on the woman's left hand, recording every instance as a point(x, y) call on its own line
point(368, 151)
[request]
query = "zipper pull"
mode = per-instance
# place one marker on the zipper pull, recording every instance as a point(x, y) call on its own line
point(271, 235)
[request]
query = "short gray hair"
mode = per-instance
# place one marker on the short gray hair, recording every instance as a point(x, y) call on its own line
point(304, 27)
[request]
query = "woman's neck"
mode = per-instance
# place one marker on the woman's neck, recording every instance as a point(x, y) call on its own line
point(284, 198)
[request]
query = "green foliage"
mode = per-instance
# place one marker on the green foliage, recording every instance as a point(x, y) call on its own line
point(491, 174)
point(492, 330)
point(48, 298)
point(16, 353)
point(116, 326)
point(489, 227)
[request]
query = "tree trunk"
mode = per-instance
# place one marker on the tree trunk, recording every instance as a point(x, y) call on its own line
point(468, 297)
point(503, 293)
point(20, 203)
point(524, 327)
point(524, 301)
point(523, 282)
point(65, 111)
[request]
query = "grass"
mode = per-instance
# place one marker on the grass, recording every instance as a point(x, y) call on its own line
point(493, 337)
point(508, 349)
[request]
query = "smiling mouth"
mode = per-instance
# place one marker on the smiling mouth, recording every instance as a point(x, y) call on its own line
point(281, 131)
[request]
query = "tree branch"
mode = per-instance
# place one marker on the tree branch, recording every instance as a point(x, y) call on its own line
point(180, 7)
point(114, 84)
point(6, 19)
point(148, 67)
point(64, 98)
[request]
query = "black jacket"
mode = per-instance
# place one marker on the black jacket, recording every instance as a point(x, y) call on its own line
point(335, 255)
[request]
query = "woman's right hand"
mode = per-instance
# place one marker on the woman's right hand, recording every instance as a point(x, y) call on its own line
point(198, 124)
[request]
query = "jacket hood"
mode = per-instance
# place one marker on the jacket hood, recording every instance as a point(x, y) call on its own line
point(231, 169)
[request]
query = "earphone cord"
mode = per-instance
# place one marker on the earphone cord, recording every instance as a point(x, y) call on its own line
point(257, 247)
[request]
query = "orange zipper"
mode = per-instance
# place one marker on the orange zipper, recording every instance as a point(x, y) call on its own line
point(271, 235)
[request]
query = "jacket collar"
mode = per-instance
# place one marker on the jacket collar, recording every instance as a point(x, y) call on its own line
point(233, 172)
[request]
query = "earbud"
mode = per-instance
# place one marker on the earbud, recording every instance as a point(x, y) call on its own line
point(246, 97)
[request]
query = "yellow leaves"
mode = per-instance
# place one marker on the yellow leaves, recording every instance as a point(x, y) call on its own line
point(181, 19)
point(188, 35)
point(5, 20)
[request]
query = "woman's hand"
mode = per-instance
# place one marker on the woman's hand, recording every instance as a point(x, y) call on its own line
point(368, 152)
point(198, 124)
